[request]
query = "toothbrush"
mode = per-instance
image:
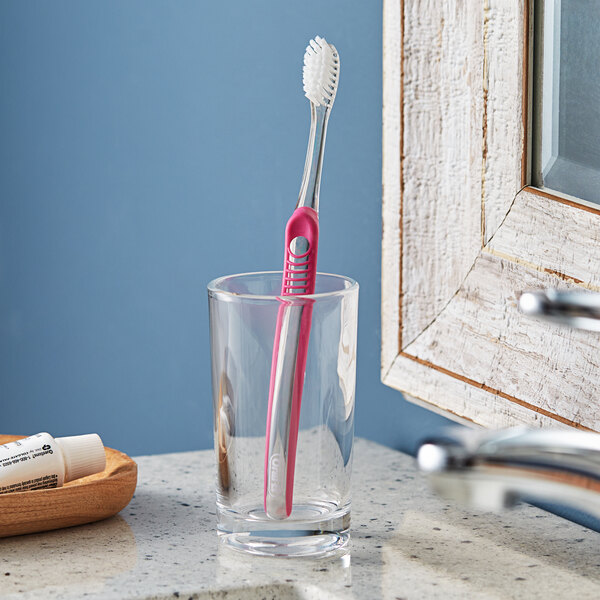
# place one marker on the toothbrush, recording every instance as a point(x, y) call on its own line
point(292, 332)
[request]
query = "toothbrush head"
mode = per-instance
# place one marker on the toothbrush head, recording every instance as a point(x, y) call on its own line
point(321, 72)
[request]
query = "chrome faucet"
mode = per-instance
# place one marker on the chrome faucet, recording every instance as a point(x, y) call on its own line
point(576, 308)
point(491, 470)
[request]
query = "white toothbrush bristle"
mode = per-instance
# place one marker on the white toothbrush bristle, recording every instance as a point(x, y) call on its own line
point(321, 72)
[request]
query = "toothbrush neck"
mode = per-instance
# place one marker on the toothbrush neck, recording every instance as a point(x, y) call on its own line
point(311, 180)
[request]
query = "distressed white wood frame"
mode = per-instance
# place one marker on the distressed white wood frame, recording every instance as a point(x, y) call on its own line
point(463, 232)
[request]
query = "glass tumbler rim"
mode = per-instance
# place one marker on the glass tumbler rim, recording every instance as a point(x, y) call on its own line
point(214, 289)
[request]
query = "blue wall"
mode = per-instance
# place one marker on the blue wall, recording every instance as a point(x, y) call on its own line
point(147, 147)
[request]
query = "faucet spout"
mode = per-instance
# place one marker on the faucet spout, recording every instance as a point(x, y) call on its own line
point(494, 470)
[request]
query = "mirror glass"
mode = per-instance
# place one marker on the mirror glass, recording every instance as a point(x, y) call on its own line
point(566, 98)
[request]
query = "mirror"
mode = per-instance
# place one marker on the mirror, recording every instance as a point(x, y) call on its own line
point(566, 95)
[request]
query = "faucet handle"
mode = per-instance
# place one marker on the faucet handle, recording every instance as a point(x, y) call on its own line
point(576, 308)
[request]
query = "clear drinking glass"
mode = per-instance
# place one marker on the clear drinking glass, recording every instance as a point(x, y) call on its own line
point(243, 316)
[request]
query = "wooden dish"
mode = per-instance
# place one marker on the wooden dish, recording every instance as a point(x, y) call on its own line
point(81, 501)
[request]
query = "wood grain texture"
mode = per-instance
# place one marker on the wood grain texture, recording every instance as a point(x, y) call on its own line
point(81, 501)
point(504, 142)
point(571, 246)
point(550, 372)
point(391, 166)
point(482, 336)
point(442, 140)
point(453, 397)
point(469, 238)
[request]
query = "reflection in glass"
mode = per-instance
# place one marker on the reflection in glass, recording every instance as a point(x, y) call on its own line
point(566, 94)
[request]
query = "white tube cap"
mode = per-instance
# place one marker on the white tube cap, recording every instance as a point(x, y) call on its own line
point(83, 455)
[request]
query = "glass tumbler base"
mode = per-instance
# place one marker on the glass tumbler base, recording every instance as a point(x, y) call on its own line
point(294, 537)
point(262, 544)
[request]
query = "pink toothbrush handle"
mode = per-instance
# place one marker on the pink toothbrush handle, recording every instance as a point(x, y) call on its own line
point(288, 365)
point(300, 270)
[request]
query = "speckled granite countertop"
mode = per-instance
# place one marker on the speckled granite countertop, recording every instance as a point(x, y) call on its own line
point(406, 544)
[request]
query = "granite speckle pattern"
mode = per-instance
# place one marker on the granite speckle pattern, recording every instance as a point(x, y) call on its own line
point(405, 544)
